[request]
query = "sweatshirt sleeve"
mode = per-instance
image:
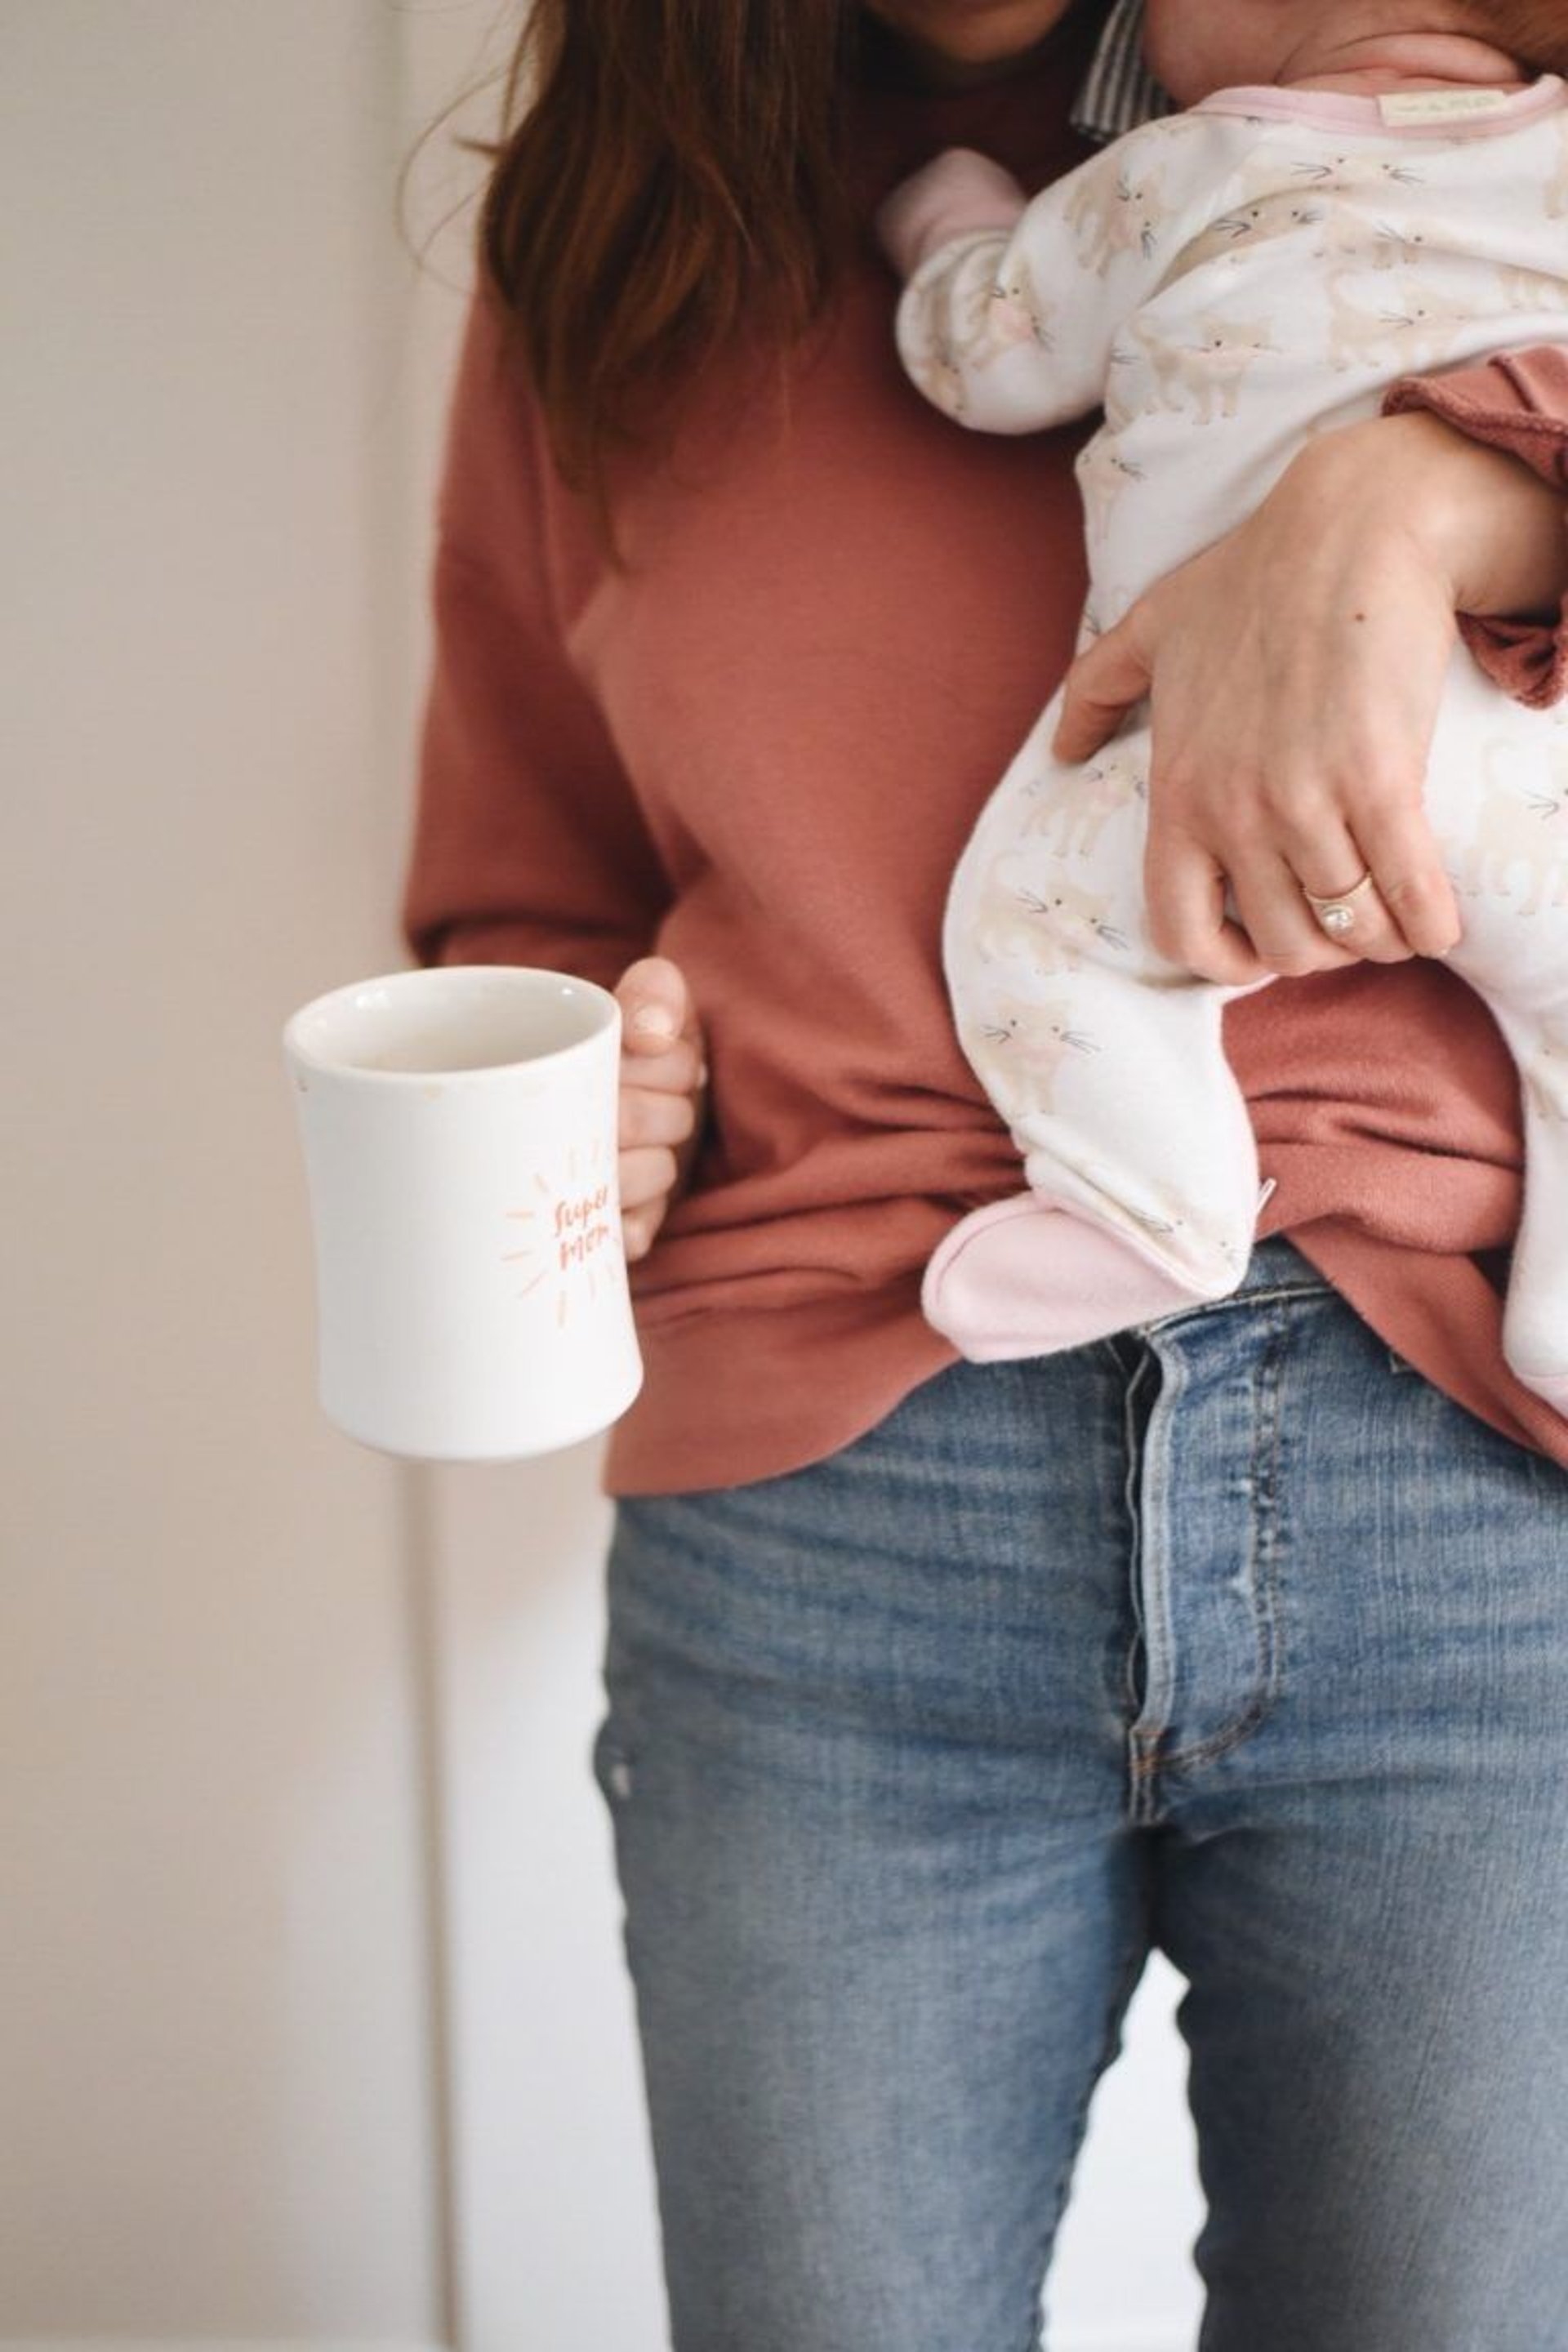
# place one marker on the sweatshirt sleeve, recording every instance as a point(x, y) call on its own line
point(1518, 402)
point(529, 845)
point(1007, 325)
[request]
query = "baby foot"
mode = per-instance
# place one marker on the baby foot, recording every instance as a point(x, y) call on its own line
point(1023, 1277)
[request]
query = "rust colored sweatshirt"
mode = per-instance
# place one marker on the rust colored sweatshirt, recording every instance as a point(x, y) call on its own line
point(758, 746)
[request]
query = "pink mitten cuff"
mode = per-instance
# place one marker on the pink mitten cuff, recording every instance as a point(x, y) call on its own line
point(957, 194)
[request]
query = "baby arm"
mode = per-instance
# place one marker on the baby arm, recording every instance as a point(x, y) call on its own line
point(1010, 307)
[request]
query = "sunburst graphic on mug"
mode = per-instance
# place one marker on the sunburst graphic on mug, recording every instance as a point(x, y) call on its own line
point(573, 1241)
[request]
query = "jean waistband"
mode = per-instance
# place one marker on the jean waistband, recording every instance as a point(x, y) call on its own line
point(1278, 1265)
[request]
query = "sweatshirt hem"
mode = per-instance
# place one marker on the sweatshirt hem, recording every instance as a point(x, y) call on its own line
point(816, 1377)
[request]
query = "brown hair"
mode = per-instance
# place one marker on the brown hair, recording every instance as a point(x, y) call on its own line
point(1533, 31)
point(675, 162)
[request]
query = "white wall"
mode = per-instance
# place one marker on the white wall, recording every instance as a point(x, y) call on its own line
point(215, 2035)
point(311, 2018)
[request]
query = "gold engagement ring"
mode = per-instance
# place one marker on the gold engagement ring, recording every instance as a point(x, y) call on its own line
point(1337, 912)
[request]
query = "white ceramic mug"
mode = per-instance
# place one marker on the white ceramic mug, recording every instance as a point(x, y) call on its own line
point(459, 1132)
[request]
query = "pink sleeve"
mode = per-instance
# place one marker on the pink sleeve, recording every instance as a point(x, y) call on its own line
point(1519, 404)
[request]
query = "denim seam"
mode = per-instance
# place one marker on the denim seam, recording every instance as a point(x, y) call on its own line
point(1204, 1752)
point(1266, 1492)
point(1273, 1296)
point(1134, 1960)
point(1131, 1489)
point(1151, 1567)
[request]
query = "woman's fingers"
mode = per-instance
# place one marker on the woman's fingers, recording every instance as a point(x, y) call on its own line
point(1190, 921)
point(1274, 887)
point(638, 1227)
point(647, 1173)
point(652, 1067)
point(1382, 894)
point(662, 1039)
point(662, 1076)
point(1398, 850)
point(653, 1116)
point(1292, 941)
point(657, 1014)
point(1109, 679)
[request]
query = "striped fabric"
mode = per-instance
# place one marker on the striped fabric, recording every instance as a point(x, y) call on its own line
point(1119, 92)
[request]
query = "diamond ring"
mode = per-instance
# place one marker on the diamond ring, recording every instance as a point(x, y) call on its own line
point(1336, 913)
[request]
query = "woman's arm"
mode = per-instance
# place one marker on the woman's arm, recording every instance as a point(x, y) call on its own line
point(1296, 669)
point(529, 846)
point(1517, 404)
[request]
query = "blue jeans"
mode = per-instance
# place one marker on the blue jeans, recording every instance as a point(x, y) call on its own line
point(1232, 1638)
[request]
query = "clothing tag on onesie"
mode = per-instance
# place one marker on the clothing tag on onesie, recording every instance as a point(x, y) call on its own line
point(1438, 105)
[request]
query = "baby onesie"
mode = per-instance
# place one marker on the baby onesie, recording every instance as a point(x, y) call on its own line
point(1224, 283)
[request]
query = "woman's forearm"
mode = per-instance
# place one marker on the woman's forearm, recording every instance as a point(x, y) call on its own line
point(1495, 528)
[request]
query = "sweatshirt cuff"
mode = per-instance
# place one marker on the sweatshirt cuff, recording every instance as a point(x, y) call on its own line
point(1518, 403)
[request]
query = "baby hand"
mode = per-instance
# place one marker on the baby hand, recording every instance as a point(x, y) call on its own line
point(956, 195)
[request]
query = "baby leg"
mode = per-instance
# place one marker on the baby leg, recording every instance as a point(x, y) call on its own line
point(1143, 1185)
point(1535, 1321)
point(1498, 794)
point(1107, 1065)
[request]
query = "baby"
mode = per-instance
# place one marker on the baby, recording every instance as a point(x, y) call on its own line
point(1338, 208)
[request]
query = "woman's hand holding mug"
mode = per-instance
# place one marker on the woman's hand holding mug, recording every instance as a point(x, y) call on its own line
point(662, 1077)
